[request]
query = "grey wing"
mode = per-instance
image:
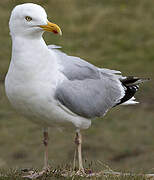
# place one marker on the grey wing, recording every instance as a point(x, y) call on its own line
point(77, 68)
point(89, 98)
point(88, 91)
point(74, 68)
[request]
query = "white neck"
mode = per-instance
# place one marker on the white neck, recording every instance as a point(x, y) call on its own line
point(28, 56)
point(24, 45)
point(27, 51)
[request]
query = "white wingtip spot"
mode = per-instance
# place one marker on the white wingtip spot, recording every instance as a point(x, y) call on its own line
point(130, 102)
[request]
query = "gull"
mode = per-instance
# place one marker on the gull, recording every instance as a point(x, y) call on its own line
point(48, 86)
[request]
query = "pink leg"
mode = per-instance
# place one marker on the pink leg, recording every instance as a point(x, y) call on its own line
point(78, 142)
point(45, 142)
point(33, 174)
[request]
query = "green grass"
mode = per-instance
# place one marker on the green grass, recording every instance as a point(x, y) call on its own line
point(19, 174)
point(112, 34)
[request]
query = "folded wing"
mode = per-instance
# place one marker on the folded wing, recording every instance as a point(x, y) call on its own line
point(88, 91)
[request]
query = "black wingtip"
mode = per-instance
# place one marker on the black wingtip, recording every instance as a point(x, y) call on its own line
point(131, 85)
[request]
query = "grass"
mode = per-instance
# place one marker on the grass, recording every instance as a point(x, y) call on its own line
point(112, 34)
point(64, 173)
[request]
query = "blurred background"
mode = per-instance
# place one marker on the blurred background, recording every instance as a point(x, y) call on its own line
point(112, 34)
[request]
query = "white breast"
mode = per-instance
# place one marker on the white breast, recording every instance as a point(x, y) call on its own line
point(31, 83)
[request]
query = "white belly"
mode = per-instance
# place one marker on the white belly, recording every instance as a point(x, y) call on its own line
point(31, 83)
point(28, 99)
point(36, 101)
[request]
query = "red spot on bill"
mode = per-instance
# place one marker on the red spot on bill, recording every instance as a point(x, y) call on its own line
point(54, 31)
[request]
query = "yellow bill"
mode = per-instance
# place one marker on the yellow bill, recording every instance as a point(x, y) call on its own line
point(51, 27)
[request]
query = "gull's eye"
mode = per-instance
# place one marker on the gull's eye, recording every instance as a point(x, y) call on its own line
point(28, 18)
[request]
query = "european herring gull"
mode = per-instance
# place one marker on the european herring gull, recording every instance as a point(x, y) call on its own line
point(48, 86)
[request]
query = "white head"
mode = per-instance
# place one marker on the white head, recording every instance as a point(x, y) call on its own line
point(30, 20)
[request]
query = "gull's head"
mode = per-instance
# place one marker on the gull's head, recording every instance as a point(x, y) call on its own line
point(30, 20)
